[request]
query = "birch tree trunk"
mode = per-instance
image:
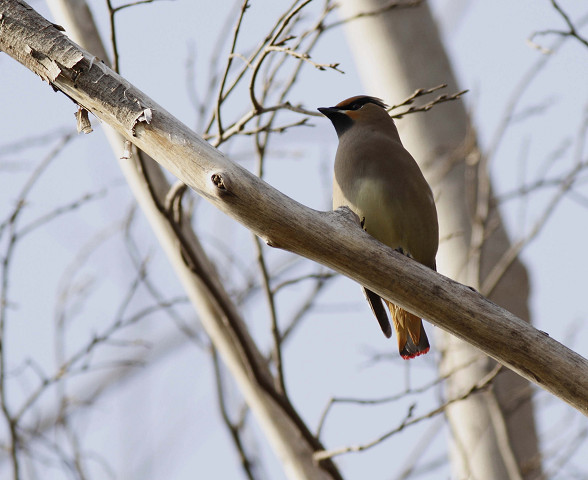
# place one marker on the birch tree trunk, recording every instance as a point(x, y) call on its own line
point(397, 52)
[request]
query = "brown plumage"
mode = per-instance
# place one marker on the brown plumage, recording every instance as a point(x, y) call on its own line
point(380, 181)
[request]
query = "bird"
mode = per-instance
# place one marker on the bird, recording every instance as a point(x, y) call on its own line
point(378, 179)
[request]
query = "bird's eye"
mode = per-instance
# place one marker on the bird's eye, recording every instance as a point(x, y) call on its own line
point(356, 105)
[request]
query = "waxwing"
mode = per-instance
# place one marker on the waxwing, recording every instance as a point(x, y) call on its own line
point(380, 181)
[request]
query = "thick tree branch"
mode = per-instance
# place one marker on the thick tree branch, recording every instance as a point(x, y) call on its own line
point(330, 238)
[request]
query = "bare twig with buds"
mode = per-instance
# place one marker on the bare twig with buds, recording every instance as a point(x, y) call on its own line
point(305, 57)
point(424, 108)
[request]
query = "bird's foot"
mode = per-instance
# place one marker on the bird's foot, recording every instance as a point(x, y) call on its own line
point(401, 250)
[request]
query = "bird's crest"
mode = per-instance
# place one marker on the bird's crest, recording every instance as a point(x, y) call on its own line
point(354, 103)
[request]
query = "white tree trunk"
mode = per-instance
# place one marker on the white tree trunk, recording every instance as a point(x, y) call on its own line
point(396, 53)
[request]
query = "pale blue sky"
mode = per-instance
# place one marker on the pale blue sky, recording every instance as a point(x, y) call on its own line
point(164, 422)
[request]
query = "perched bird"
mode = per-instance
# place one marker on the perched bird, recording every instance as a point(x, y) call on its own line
point(380, 181)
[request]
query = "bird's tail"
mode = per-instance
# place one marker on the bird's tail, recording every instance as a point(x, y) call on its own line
point(412, 339)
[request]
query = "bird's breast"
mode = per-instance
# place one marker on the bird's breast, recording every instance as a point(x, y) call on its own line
point(370, 199)
point(391, 198)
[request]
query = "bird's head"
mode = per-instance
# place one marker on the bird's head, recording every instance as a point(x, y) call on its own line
point(361, 109)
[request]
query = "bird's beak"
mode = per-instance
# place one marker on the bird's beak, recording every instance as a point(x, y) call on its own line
point(328, 111)
point(338, 118)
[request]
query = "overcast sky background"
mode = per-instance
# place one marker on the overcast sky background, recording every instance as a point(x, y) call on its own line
point(163, 422)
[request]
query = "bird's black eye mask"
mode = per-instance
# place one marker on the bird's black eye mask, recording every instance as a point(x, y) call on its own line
point(359, 102)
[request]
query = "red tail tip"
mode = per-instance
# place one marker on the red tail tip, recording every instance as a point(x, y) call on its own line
point(413, 355)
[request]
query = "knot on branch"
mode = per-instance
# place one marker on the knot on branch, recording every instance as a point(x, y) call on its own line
point(218, 181)
point(221, 183)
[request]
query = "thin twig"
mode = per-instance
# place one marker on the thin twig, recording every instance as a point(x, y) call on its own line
point(304, 57)
point(410, 420)
point(311, 276)
point(416, 94)
point(480, 229)
point(219, 99)
point(177, 319)
point(256, 105)
point(58, 211)
point(80, 358)
point(280, 129)
point(113, 41)
point(392, 5)
point(133, 4)
point(245, 119)
point(233, 428)
point(425, 108)
point(269, 296)
point(12, 224)
point(491, 280)
point(571, 32)
point(305, 306)
point(388, 399)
